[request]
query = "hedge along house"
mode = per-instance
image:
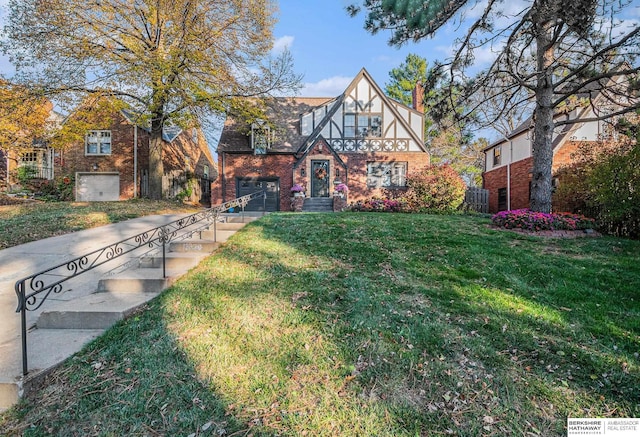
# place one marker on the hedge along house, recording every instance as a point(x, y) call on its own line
point(361, 138)
point(112, 163)
point(508, 163)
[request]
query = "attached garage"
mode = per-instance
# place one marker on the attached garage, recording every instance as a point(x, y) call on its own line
point(96, 187)
point(246, 186)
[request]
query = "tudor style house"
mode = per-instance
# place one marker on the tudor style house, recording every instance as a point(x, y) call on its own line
point(508, 162)
point(361, 138)
point(111, 162)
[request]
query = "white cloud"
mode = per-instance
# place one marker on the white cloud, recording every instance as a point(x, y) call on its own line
point(282, 43)
point(329, 87)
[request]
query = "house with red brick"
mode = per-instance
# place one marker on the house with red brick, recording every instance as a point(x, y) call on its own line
point(111, 162)
point(508, 162)
point(361, 138)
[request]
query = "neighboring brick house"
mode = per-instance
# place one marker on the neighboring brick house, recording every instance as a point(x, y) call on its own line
point(508, 162)
point(111, 163)
point(361, 138)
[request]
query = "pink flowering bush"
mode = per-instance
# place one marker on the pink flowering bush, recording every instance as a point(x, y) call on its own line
point(537, 221)
point(297, 188)
point(342, 188)
point(378, 205)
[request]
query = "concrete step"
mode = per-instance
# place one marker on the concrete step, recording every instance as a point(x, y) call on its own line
point(174, 260)
point(219, 236)
point(238, 218)
point(96, 311)
point(229, 226)
point(195, 245)
point(138, 281)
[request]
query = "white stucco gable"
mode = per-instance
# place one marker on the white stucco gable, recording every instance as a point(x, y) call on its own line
point(364, 119)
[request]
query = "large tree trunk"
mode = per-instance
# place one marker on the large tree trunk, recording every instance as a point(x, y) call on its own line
point(542, 146)
point(156, 168)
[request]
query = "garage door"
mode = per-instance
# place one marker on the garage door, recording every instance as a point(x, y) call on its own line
point(246, 186)
point(92, 187)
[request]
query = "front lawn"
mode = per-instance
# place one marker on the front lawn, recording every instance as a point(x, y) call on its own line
point(361, 324)
point(22, 222)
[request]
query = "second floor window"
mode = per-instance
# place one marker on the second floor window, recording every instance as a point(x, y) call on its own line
point(359, 125)
point(496, 156)
point(261, 137)
point(98, 142)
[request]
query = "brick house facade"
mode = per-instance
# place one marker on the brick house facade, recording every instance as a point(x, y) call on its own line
point(508, 162)
point(112, 162)
point(361, 138)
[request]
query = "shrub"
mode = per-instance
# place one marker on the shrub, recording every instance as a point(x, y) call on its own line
point(615, 184)
point(60, 189)
point(435, 189)
point(297, 188)
point(603, 183)
point(377, 205)
point(537, 221)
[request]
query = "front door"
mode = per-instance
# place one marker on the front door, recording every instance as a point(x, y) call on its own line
point(320, 178)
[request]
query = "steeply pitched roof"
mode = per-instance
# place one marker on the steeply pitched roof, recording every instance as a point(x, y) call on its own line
point(286, 114)
point(283, 112)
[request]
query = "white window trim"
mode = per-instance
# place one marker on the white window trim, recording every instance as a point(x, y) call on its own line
point(98, 134)
point(388, 172)
point(355, 129)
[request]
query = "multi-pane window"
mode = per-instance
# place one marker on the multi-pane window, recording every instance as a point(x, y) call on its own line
point(261, 137)
point(30, 158)
point(98, 142)
point(386, 174)
point(496, 155)
point(362, 125)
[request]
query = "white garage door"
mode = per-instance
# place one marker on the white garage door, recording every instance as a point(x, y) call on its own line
point(92, 187)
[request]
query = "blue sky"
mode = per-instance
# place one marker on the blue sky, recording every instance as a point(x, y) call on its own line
point(329, 47)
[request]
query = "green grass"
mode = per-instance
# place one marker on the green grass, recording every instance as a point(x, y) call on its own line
point(22, 223)
point(365, 324)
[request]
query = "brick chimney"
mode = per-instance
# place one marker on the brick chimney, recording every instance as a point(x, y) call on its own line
point(417, 97)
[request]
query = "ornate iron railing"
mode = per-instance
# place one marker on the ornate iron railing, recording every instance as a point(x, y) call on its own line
point(34, 290)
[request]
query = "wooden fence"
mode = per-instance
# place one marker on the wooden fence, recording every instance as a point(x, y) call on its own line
point(477, 199)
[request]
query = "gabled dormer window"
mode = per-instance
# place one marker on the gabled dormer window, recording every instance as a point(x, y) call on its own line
point(261, 137)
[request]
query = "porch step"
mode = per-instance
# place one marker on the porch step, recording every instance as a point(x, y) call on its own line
point(318, 204)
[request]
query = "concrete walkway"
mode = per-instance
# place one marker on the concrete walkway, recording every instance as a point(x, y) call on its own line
point(92, 301)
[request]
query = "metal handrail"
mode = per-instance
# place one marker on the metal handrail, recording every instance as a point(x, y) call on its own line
point(34, 290)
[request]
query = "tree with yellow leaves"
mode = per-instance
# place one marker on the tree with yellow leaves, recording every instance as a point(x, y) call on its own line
point(175, 61)
point(23, 117)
